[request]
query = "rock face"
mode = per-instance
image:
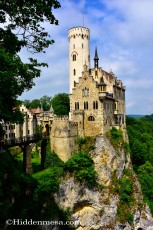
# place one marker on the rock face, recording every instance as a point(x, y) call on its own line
point(98, 208)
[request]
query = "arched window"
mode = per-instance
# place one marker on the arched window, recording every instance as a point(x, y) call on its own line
point(74, 57)
point(82, 36)
point(91, 118)
point(74, 72)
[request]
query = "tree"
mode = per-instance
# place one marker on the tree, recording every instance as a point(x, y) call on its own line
point(45, 102)
point(21, 27)
point(61, 104)
point(35, 104)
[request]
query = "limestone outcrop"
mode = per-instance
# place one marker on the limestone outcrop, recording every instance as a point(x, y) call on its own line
point(101, 207)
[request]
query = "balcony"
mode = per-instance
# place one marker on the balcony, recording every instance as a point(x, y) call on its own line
point(116, 111)
point(102, 95)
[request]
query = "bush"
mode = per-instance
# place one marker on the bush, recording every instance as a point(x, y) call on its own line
point(115, 136)
point(82, 166)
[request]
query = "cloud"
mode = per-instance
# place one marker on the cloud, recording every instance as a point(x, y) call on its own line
point(122, 31)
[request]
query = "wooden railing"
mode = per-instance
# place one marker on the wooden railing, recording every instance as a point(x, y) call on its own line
point(21, 140)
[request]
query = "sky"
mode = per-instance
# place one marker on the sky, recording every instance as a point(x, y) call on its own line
point(122, 30)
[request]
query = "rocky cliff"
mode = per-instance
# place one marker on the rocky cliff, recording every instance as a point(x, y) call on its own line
point(115, 203)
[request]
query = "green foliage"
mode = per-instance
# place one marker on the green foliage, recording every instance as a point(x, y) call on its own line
point(124, 188)
point(15, 150)
point(21, 26)
point(31, 194)
point(47, 184)
point(82, 166)
point(148, 118)
point(101, 186)
point(140, 140)
point(145, 175)
point(44, 103)
point(116, 137)
point(141, 145)
point(61, 104)
point(86, 144)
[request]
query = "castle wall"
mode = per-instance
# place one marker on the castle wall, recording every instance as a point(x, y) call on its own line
point(64, 134)
point(89, 118)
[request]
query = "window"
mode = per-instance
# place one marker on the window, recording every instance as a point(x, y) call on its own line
point(85, 105)
point(76, 105)
point(85, 92)
point(95, 104)
point(74, 57)
point(82, 46)
point(74, 72)
point(73, 46)
point(74, 83)
point(91, 118)
point(82, 36)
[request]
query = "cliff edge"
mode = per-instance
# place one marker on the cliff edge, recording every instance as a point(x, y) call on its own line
point(116, 202)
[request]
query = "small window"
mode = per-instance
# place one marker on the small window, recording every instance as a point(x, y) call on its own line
point(82, 46)
point(86, 105)
point(91, 118)
point(74, 57)
point(82, 36)
point(73, 46)
point(74, 83)
point(95, 104)
point(76, 105)
point(74, 72)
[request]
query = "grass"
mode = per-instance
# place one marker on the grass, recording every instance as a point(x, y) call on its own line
point(36, 162)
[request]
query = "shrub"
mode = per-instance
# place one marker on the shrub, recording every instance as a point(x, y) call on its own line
point(115, 136)
point(82, 166)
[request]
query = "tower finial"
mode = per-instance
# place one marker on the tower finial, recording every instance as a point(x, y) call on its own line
point(96, 59)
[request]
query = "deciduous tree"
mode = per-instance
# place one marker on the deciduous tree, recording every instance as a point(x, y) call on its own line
point(22, 25)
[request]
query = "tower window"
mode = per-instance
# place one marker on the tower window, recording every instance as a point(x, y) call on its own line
point(74, 57)
point(73, 46)
point(74, 83)
point(74, 72)
point(82, 46)
point(82, 36)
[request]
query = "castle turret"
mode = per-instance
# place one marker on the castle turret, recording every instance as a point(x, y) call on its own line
point(79, 53)
point(96, 59)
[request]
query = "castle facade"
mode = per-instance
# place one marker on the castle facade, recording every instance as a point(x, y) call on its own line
point(97, 101)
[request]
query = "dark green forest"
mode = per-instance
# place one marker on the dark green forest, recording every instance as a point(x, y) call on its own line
point(140, 132)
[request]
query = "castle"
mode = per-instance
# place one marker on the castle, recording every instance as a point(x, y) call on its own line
point(97, 100)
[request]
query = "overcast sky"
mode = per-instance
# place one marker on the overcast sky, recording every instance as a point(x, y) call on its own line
point(122, 30)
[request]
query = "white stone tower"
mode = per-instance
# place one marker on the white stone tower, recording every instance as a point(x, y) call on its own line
point(79, 53)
